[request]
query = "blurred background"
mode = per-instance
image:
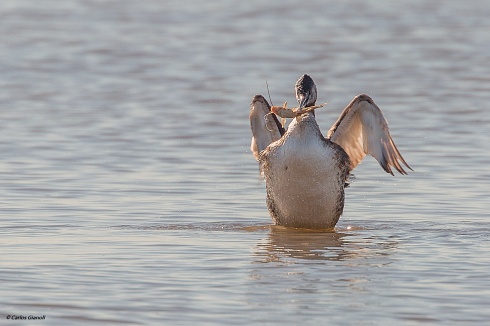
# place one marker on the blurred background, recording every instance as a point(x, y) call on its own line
point(125, 151)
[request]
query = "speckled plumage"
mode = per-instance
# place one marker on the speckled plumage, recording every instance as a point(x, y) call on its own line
point(305, 176)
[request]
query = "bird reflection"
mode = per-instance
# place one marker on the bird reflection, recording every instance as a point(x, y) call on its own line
point(285, 242)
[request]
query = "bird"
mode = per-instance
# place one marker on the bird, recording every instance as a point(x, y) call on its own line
point(305, 172)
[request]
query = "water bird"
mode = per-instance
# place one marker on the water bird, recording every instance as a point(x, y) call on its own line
point(306, 173)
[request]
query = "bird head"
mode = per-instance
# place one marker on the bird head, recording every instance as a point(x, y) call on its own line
point(305, 91)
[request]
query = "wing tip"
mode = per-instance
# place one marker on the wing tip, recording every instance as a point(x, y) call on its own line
point(397, 167)
point(259, 98)
point(390, 160)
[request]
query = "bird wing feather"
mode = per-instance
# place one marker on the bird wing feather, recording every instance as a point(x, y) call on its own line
point(361, 129)
point(265, 126)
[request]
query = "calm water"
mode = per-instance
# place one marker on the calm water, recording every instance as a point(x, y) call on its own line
point(129, 196)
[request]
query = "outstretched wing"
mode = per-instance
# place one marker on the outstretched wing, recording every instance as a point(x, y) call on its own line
point(361, 129)
point(265, 126)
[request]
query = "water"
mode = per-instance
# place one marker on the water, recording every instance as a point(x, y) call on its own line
point(129, 196)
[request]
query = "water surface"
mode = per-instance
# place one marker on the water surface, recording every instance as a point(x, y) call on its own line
point(129, 196)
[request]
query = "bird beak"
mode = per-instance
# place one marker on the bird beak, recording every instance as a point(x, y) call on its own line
point(303, 100)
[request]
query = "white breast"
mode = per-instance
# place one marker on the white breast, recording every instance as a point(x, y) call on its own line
point(305, 176)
